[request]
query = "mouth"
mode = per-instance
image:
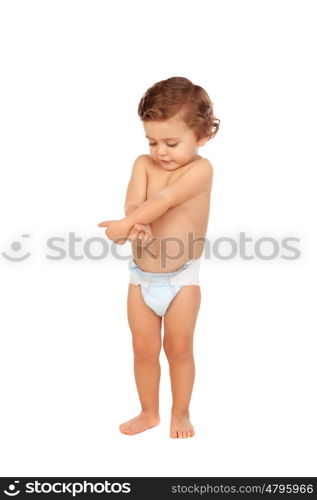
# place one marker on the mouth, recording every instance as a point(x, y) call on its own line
point(164, 161)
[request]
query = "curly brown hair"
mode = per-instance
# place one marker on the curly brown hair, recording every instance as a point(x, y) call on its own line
point(166, 98)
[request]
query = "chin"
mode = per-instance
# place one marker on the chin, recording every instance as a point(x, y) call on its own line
point(170, 167)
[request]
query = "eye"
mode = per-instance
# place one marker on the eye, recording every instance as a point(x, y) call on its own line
point(169, 145)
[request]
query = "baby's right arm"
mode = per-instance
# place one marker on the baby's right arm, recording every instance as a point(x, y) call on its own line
point(136, 196)
point(136, 191)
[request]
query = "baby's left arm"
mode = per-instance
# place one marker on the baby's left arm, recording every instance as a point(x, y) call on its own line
point(189, 184)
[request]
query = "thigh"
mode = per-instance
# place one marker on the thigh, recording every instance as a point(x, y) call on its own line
point(144, 324)
point(181, 315)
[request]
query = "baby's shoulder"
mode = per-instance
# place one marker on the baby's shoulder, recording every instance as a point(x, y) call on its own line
point(204, 160)
point(204, 164)
point(148, 160)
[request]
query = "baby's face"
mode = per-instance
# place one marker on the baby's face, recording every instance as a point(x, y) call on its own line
point(172, 143)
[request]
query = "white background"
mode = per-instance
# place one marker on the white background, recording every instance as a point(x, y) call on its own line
point(72, 75)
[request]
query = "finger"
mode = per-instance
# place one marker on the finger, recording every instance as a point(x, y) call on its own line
point(141, 235)
point(146, 238)
point(104, 223)
point(149, 237)
point(130, 235)
point(132, 230)
point(133, 236)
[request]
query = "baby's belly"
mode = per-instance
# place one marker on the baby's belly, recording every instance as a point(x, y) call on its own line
point(174, 243)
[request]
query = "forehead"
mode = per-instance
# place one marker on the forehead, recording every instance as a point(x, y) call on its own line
point(168, 129)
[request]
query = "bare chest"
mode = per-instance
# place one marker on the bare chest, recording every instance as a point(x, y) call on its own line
point(156, 182)
point(158, 178)
point(192, 213)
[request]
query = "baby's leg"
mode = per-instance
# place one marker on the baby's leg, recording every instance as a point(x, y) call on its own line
point(145, 327)
point(179, 326)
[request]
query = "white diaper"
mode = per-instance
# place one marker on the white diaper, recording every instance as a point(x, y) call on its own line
point(159, 289)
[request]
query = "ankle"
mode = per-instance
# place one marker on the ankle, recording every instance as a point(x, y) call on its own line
point(150, 413)
point(180, 412)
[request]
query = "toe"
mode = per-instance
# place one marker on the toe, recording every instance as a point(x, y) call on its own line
point(124, 429)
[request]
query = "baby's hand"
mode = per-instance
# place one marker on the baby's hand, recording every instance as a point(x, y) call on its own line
point(141, 232)
point(117, 230)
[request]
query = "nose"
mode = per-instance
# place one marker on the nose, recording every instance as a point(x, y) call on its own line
point(162, 152)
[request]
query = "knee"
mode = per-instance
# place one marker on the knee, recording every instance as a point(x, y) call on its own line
point(178, 350)
point(146, 352)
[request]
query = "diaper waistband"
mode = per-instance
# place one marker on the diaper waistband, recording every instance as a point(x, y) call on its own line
point(188, 274)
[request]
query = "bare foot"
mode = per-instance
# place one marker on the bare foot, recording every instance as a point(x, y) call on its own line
point(181, 427)
point(140, 423)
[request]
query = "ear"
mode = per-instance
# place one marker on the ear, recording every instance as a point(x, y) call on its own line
point(202, 141)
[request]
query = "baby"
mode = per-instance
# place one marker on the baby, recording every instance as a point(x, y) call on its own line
point(167, 208)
